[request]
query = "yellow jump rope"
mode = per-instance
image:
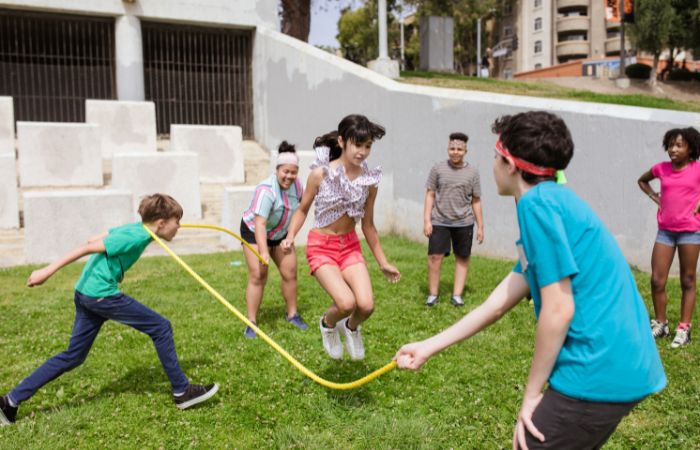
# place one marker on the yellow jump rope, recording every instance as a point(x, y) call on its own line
point(323, 382)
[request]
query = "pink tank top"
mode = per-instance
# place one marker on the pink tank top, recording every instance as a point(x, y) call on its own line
point(337, 195)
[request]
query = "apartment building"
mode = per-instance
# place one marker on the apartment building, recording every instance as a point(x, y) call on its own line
point(534, 34)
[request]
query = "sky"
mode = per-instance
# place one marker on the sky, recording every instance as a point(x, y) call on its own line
point(324, 23)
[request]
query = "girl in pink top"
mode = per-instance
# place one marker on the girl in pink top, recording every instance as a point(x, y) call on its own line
point(679, 227)
point(344, 190)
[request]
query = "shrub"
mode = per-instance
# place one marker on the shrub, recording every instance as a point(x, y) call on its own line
point(638, 71)
point(680, 75)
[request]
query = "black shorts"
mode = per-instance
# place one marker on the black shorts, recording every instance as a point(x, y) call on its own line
point(460, 237)
point(569, 423)
point(249, 236)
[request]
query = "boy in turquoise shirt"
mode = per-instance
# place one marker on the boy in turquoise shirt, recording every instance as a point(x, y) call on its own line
point(593, 345)
point(98, 299)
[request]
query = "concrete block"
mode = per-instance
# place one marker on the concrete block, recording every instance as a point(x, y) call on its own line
point(127, 127)
point(7, 127)
point(56, 222)
point(9, 210)
point(59, 154)
point(219, 148)
point(236, 201)
point(172, 173)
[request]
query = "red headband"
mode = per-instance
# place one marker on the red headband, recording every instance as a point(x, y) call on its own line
point(524, 165)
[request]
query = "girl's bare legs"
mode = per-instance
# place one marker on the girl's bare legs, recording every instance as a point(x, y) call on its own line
point(688, 258)
point(287, 265)
point(257, 277)
point(357, 277)
point(331, 279)
point(661, 259)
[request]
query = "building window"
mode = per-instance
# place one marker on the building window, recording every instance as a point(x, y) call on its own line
point(507, 8)
point(507, 31)
point(538, 3)
point(538, 66)
point(538, 23)
point(538, 46)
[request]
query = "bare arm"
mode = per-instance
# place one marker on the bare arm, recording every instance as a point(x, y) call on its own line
point(644, 185)
point(507, 294)
point(427, 211)
point(261, 237)
point(372, 238)
point(479, 218)
point(41, 275)
point(552, 326)
point(299, 217)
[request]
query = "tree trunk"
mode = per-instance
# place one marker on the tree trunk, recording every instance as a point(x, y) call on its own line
point(296, 18)
point(652, 74)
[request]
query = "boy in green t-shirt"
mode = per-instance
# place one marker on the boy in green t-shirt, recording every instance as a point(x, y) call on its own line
point(98, 299)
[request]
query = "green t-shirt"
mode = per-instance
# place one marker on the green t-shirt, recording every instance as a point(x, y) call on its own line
point(104, 271)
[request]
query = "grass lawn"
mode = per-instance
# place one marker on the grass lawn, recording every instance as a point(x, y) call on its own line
point(466, 397)
point(541, 89)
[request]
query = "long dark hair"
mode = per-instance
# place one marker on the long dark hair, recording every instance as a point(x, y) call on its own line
point(356, 128)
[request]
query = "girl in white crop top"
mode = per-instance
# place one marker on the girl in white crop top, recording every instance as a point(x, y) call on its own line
point(343, 190)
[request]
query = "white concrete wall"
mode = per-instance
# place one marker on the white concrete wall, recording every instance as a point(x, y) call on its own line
point(126, 127)
point(7, 127)
point(238, 13)
point(219, 148)
point(9, 210)
point(175, 174)
point(58, 221)
point(59, 154)
point(614, 144)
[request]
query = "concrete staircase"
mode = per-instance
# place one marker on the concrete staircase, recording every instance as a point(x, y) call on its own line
point(188, 240)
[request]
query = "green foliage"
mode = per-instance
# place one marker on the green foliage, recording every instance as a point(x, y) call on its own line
point(466, 397)
point(358, 32)
point(638, 71)
point(654, 20)
point(685, 32)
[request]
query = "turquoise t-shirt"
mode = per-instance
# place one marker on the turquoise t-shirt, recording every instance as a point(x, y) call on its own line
point(609, 354)
point(104, 271)
point(274, 204)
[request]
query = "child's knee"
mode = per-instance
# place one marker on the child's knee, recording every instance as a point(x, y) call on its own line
point(687, 281)
point(658, 283)
point(345, 305)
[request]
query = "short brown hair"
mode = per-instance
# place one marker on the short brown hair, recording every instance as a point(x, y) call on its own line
point(159, 206)
point(458, 136)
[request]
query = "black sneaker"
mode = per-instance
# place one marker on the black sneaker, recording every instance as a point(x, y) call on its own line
point(195, 393)
point(7, 412)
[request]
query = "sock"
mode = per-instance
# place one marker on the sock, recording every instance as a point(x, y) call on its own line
point(11, 402)
point(325, 325)
point(179, 394)
point(347, 325)
point(683, 325)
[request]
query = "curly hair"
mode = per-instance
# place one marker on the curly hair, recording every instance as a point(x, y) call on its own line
point(689, 135)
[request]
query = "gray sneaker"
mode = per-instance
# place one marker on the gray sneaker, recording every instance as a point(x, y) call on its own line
point(659, 329)
point(456, 300)
point(195, 394)
point(8, 413)
point(682, 338)
point(431, 300)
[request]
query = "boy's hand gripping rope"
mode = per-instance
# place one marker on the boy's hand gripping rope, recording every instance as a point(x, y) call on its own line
point(323, 382)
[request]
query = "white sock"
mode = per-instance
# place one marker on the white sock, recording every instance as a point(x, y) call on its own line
point(179, 394)
point(12, 403)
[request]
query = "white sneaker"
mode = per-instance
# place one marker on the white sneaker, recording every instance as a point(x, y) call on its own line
point(659, 329)
point(682, 338)
point(331, 340)
point(353, 341)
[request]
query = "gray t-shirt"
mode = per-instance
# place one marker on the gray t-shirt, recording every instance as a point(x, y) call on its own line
point(454, 189)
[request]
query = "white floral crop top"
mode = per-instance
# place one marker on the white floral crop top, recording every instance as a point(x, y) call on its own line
point(337, 195)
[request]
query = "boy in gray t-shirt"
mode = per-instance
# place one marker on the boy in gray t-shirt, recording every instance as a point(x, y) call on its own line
point(452, 205)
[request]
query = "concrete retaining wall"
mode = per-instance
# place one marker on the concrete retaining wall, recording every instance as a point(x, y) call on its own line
point(7, 127)
point(9, 211)
point(219, 148)
point(59, 154)
point(126, 127)
point(56, 222)
point(175, 174)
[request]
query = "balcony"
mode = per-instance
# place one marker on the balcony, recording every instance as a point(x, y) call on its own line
point(567, 4)
point(612, 45)
point(567, 49)
point(572, 24)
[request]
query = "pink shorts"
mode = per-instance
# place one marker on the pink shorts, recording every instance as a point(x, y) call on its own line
point(342, 250)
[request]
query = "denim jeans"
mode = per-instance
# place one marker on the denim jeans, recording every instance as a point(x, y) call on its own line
point(90, 314)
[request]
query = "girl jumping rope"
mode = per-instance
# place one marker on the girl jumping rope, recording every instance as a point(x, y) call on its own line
point(263, 226)
point(343, 190)
point(679, 227)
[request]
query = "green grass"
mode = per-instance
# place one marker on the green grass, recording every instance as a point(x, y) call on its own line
point(541, 89)
point(466, 397)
